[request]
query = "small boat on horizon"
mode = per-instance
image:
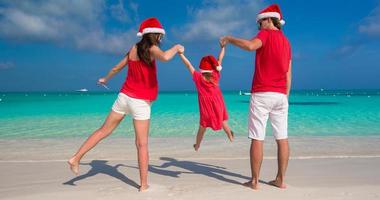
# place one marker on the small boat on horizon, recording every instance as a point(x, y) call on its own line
point(82, 90)
point(244, 93)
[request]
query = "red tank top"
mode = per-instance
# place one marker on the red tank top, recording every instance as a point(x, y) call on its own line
point(141, 80)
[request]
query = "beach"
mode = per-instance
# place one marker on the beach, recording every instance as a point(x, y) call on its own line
point(319, 168)
point(334, 137)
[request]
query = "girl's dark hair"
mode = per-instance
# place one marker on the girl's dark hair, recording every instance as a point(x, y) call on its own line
point(209, 77)
point(147, 41)
point(276, 22)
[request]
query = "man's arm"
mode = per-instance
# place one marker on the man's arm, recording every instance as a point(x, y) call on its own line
point(289, 79)
point(249, 45)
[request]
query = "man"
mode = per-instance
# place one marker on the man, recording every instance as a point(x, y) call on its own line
point(270, 91)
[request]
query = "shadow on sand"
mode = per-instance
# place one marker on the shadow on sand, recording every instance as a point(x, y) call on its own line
point(101, 167)
point(192, 167)
point(188, 167)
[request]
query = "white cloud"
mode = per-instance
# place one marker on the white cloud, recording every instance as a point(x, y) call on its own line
point(6, 65)
point(79, 23)
point(220, 17)
point(118, 12)
point(371, 25)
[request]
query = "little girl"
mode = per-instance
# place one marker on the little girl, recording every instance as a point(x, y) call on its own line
point(213, 112)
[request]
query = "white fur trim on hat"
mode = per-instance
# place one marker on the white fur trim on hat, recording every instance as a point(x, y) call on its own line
point(151, 30)
point(205, 71)
point(219, 68)
point(267, 15)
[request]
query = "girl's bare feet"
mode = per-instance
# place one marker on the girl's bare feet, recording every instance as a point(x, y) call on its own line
point(278, 183)
point(74, 165)
point(196, 147)
point(143, 188)
point(232, 136)
point(251, 184)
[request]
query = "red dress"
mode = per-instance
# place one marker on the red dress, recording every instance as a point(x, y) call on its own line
point(211, 104)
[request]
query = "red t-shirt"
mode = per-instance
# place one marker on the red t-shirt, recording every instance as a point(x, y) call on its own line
point(272, 62)
point(141, 81)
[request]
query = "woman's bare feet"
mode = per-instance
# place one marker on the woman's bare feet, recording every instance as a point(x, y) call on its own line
point(143, 188)
point(251, 184)
point(196, 147)
point(278, 183)
point(74, 165)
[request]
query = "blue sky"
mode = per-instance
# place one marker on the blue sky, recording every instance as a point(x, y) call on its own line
point(57, 45)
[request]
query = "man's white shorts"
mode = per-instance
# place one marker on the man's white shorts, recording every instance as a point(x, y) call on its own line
point(138, 108)
point(268, 104)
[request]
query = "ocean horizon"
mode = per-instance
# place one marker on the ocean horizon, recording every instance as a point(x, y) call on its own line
point(40, 115)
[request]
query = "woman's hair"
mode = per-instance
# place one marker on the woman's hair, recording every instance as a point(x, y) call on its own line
point(276, 22)
point(147, 41)
point(209, 77)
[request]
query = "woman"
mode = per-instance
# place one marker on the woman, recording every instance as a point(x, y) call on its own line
point(138, 91)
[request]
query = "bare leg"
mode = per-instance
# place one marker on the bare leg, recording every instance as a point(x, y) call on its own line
point(228, 131)
point(282, 159)
point(256, 155)
point(200, 134)
point(111, 122)
point(141, 134)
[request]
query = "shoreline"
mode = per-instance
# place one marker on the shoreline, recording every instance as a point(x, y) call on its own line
point(319, 168)
point(119, 148)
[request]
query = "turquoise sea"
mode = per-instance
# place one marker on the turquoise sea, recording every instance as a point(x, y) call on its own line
point(175, 114)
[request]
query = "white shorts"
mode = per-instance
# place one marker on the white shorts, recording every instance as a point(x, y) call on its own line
point(138, 108)
point(268, 104)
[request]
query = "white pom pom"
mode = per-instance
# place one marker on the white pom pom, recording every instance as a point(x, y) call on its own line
point(282, 22)
point(219, 68)
point(139, 34)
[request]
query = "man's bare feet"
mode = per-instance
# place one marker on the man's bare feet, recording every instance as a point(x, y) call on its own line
point(74, 166)
point(196, 147)
point(278, 183)
point(251, 184)
point(143, 188)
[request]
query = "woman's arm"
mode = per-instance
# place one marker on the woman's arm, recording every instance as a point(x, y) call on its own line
point(249, 45)
point(164, 56)
point(289, 79)
point(221, 55)
point(117, 68)
point(187, 63)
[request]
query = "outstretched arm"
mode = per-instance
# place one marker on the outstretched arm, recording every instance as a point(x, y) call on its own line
point(187, 63)
point(289, 79)
point(249, 45)
point(117, 68)
point(221, 54)
point(164, 56)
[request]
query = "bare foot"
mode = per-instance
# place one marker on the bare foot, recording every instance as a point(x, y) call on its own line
point(74, 166)
point(251, 184)
point(196, 147)
point(232, 137)
point(278, 183)
point(143, 188)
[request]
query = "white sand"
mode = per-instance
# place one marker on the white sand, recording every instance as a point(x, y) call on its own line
point(320, 168)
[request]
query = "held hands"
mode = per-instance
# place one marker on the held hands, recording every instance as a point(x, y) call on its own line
point(180, 49)
point(223, 41)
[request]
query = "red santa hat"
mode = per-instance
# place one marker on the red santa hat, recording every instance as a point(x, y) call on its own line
point(271, 11)
point(150, 25)
point(209, 64)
